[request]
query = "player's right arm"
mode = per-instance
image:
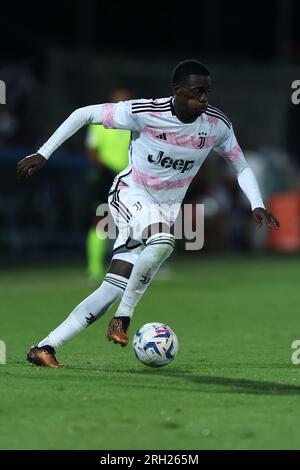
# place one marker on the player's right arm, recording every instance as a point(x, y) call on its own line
point(111, 115)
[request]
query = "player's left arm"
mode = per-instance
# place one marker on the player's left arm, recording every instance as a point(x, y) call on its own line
point(228, 147)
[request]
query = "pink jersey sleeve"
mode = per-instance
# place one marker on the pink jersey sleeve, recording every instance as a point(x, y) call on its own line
point(227, 146)
point(120, 116)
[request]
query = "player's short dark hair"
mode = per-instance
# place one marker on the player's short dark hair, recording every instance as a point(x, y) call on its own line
point(188, 67)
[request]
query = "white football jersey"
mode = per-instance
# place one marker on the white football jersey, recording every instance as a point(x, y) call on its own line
point(165, 153)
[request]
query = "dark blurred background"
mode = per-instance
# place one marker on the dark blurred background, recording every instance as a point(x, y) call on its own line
point(58, 56)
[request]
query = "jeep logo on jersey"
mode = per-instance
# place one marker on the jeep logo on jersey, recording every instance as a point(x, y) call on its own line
point(168, 162)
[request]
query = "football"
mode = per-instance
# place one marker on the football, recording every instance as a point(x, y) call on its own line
point(155, 344)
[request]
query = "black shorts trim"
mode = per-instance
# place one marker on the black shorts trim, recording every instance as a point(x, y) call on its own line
point(118, 182)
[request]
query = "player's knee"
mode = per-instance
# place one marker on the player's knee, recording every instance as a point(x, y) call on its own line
point(122, 267)
point(161, 245)
point(155, 229)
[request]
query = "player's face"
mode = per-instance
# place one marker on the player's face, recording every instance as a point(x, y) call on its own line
point(192, 95)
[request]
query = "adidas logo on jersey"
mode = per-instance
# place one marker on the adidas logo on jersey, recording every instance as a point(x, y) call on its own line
point(162, 136)
point(168, 162)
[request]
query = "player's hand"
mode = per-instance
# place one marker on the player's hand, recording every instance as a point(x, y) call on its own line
point(29, 165)
point(262, 215)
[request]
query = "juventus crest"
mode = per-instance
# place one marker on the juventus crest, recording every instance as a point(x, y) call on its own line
point(202, 137)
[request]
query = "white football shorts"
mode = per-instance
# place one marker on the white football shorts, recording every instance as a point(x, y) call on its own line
point(132, 212)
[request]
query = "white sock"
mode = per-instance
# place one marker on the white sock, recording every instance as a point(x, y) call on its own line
point(158, 249)
point(89, 310)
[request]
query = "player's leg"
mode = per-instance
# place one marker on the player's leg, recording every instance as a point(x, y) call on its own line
point(89, 310)
point(159, 244)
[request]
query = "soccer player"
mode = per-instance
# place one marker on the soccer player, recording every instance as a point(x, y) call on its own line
point(171, 138)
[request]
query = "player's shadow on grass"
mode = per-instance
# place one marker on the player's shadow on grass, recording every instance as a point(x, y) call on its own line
point(210, 384)
point(206, 383)
point(233, 385)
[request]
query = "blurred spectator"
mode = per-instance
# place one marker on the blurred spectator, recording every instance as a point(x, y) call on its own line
point(18, 118)
point(107, 150)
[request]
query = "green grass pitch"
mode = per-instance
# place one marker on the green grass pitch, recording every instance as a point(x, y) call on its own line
point(232, 385)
